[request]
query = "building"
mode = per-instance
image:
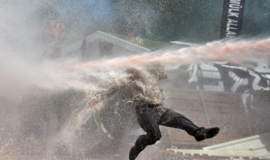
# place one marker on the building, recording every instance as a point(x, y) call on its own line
point(101, 44)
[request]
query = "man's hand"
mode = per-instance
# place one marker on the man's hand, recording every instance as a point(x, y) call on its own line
point(94, 101)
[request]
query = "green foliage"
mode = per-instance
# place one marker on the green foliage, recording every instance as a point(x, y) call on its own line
point(186, 20)
point(266, 7)
point(256, 18)
point(167, 20)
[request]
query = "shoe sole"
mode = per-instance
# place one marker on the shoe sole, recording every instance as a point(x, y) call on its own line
point(209, 134)
point(212, 132)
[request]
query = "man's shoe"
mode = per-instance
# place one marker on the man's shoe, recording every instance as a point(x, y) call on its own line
point(203, 133)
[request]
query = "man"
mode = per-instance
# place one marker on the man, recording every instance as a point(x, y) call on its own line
point(146, 99)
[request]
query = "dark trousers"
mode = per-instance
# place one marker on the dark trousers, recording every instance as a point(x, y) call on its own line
point(149, 118)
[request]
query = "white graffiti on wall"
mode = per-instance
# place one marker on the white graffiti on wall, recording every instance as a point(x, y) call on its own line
point(206, 71)
point(225, 77)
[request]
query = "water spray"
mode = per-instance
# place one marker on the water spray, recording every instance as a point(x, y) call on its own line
point(228, 51)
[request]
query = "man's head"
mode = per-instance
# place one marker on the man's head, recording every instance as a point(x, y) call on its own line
point(156, 70)
point(134, 74)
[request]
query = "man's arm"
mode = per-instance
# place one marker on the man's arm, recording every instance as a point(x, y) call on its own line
point(94, 100)
point(101, 96)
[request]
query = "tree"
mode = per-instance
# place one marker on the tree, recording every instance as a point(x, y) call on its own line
point(170, 19)
point(256, 18)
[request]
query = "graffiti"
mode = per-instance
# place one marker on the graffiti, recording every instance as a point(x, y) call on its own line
point(226, 77)
point(207, 77)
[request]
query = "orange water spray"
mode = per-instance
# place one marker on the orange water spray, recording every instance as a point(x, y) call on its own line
point(230, 51)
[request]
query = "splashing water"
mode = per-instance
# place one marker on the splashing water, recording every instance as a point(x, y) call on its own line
point(49, 87)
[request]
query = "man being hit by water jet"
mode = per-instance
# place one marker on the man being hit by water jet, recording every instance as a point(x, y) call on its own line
point(146, 99)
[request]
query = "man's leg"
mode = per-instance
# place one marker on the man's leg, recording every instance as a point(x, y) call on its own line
point(148, 120)
point(176, 120)
point(142, 142)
